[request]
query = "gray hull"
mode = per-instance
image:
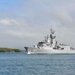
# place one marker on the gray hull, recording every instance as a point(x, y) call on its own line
point(31, 50)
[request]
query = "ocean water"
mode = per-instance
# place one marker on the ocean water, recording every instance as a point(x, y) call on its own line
point(23, 64)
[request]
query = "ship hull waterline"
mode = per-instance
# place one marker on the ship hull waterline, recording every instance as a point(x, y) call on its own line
point(31, 50)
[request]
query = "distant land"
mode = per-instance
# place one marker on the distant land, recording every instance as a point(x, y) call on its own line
point(10, 50)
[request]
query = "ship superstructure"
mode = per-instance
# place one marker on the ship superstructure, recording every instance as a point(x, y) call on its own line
point(50, 46)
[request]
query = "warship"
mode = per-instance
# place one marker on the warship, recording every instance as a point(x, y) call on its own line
point(50, 46)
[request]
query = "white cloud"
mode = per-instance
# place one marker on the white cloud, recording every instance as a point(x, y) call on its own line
point(63, 17)
point(9, 22)
point(33, 19)
point(4, 22)
point(22, 34)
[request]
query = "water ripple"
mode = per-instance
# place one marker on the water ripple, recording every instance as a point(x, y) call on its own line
point(23, 64)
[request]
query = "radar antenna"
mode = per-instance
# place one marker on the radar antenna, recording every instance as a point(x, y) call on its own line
point(51, 30)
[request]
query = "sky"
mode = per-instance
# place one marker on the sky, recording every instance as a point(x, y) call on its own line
point(25, 22)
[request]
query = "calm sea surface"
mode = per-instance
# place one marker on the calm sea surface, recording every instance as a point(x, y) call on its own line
point(23, 64)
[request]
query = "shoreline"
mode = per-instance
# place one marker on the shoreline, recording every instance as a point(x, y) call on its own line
point(11, 50)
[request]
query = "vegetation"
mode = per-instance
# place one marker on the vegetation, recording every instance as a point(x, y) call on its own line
point(10, 50)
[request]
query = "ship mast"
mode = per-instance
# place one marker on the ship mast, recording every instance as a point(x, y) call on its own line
point(52, 36)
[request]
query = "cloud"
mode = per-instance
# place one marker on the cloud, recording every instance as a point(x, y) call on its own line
point(22, 34)
point(63, 17)
point(30, 19)
point(9, 22)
